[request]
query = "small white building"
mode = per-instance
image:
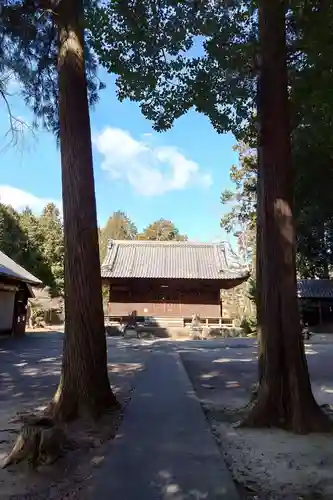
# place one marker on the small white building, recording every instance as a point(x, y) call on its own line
point(15, 289)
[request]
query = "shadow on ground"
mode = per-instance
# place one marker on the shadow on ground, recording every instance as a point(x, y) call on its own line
point(153, 446)
point(225, 371)
point(29, 374)
point(30, 367)
point(267, 464)
point(220, 370)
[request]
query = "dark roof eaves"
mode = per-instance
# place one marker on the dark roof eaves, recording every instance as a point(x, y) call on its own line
point(236, 276)
point(13, 277)
point(11, 270)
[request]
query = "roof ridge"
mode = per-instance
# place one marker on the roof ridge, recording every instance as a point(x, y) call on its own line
point(113, 243)
point(167, 242)
point(218, 257)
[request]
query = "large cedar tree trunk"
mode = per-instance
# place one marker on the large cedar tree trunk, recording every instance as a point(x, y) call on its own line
point(285, 397)
point(84, 388)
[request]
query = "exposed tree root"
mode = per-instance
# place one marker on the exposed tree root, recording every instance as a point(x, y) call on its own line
point(72, 401)
point(265, 412)
point(67, 408)
point(39, 441)
point(32, 418)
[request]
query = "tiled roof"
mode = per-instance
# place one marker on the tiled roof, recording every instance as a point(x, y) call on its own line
point(315, 289)
point(10, 269)
point(171, 259)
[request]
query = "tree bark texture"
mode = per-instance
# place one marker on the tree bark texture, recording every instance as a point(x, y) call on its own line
point(84, 388)
point(285, 397)
point(259, 233)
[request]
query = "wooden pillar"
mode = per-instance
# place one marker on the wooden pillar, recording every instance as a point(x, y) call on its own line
point(20, 313)
point(109, 308)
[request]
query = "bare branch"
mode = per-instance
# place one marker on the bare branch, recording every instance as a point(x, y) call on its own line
point(17, 125)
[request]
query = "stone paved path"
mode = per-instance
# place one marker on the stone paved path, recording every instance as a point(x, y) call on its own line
point(164, 449)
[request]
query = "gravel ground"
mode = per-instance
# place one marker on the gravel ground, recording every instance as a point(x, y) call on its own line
point(267, 464)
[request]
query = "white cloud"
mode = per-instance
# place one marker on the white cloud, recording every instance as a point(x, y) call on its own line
point(151, 170)
point(20, 199)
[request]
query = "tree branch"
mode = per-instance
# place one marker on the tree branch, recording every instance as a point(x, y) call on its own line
point(16, 125)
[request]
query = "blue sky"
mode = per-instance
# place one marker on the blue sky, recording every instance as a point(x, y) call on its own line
point(177, 175)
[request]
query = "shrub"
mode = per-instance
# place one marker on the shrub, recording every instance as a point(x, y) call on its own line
point(226, 331)
point(248, 325)
point(37, 316)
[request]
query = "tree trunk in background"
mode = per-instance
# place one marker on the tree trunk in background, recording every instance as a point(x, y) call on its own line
point(260, 333)
point(261, 340)
point(285, 397)
point(322, 236)
point(84, 388)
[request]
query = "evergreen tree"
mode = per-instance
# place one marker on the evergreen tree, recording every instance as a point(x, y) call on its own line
point(118, 227)
point(12, 239)
point(32, 253)
point(162, 230)
point(285, 395)
point(50, 226)
point(24, 239)
point(48, 53)
point(148, 47)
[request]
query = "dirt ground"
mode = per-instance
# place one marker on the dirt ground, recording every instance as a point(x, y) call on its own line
point(30, 369)
point(266, 464)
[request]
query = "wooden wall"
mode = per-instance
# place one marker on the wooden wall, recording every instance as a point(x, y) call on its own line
point(172, 298)
point(13, 301)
